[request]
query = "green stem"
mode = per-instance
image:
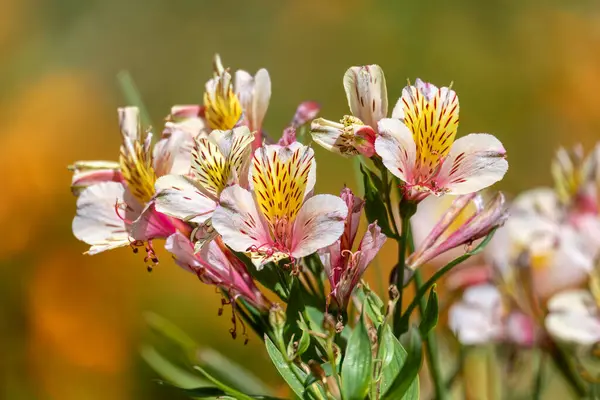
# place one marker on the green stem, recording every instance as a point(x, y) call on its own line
point(439, 273)
point(399, 327)
point(565, 368)
point(431, 348)
point(539, 377)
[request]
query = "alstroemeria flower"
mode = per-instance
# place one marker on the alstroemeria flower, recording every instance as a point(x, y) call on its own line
point(216, 265)
point(480, 318)
point(278, 218)
point(538, 253)
point(367, 98)
point(577, 179)
point(344, 267)
point(417, 145)
point(217, 161)
point(573, 320)
point(116, 210)
point(444, 236)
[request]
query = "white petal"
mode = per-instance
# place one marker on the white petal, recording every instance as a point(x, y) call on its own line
point(237, 220)
point(179, 197)
point(473, 326)
point(577, 301)
point(367, 93)
point(319, 223)
point(543, 201)
point(172, 155)
point(475, 162)
point(129, 120)
point(97, 222)
point(396, 147)
point(485, 297)
point(574, 328)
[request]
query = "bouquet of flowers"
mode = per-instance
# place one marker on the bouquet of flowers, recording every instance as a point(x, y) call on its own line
point(237, 209)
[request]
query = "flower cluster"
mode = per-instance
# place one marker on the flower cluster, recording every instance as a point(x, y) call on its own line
point(237, 208)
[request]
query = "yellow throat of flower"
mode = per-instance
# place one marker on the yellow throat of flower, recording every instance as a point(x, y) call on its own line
point(137, 169)
point(222, 107)
point(433, 123)
point(280, 183)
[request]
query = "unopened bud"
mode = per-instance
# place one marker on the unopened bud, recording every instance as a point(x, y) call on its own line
point(329, 324)
point(277, 317)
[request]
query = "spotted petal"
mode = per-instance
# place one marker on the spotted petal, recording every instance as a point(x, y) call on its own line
point(180, 197)
point(237, 220)
point(97, 222)
point(281, 178)
point(396, 147)
point(319, 223)
point(475, 162)
point(367, 93)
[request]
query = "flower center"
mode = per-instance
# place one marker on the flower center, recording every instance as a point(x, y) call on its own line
point(432, 117)
point(280, 180)
point(136, 166)
point(222, 107)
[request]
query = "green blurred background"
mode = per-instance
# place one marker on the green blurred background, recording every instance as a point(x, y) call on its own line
point(71, 325)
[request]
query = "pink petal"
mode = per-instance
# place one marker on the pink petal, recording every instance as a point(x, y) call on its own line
point(237, 220)
point(475, 162)
point(319, 223)
point(152, 225)
point(396, 147)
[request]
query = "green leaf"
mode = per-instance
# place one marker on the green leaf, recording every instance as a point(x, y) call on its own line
point(303, 343)
point(392, 357)
point(169, 370)
point(230, 372)
point(430, 315)
point(294, 378)
point(357, 366)
point(294, 308)
point(210, 392)
point(228, 390)
point(374, 205)
point(409, 371)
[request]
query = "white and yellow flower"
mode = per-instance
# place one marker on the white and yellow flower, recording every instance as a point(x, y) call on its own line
point(278, 218)
point(114, 206)
point(220, 160)
point(418, 146)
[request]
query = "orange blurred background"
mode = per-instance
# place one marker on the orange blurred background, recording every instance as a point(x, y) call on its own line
point(528, 72)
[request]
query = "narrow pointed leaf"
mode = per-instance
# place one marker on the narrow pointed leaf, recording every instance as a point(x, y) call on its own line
point(409, 371)
point(430, 316)
point(374, 205)
point(293, 379)
point(392, 357)
point(358, 363)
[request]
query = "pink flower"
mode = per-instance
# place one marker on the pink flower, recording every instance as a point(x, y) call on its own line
point(417, 145)
point(478, 225)
point(216, 265)
point(116, 209)
point(480, 317)
point(344, 267)
point(278, 218)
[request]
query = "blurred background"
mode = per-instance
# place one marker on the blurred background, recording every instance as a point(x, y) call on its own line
point(71, 325)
